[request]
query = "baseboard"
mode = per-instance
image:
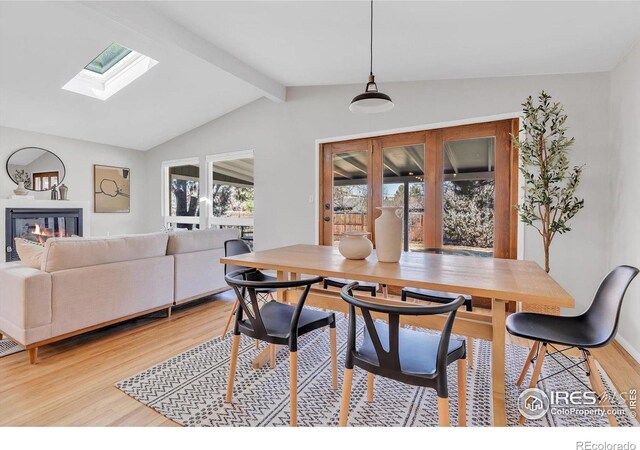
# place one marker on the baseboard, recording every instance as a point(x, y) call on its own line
point(628, 348)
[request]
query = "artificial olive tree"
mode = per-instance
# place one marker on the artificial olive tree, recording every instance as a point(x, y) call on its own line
point(549, 200)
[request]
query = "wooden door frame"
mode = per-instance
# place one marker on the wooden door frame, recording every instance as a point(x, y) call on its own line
point(506, 230)
point(327, 151)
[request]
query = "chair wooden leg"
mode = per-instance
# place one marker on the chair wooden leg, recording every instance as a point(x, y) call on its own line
point(272, 355)
point(293, 381)
point(542, 351)
point(370, 379)
point(470, 352)
point(257, 344)
point(529, 360)
point(232, 367)
point(346, 397)
point(33, 355)
point(334, 358)
point(462, 393)
point(231, 314)
point(443, 412)
point(598, 388)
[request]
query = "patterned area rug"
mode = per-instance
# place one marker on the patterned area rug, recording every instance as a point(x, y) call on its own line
point(189, 389)
point(8, 347)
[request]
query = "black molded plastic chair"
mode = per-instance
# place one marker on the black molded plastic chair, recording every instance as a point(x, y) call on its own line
point(408, 356)
point(235, 247)
point(371, 288)
point(594, 328)
point(277, 324)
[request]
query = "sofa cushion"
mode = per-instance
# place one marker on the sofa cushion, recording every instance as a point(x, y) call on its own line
point(199, 240)
point(71, 253)
point(30, 253)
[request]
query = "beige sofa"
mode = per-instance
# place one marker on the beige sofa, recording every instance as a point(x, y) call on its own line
point(87, 283)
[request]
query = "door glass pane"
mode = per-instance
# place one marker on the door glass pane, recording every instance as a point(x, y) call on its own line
point(403, 186)
point(468, 196)
point(184, 185)
point(350, 193)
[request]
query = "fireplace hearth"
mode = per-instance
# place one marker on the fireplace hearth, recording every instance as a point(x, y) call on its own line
point(38, 225)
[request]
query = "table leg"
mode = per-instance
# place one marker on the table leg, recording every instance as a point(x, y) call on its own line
point(282, 276)
point(499, 314)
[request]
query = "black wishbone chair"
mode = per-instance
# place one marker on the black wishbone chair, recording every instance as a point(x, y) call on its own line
point(371, 288)
point(278, 324)
point(596, 327)
point(234, 247)
point(405, 355)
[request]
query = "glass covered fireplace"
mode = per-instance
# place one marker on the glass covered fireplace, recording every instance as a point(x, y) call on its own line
point(38, 225)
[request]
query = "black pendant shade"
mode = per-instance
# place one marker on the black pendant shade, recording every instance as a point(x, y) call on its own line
point(371, 100)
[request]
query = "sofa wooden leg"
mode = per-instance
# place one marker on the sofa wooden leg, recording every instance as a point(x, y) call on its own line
point(33, 355)
point(169, 312)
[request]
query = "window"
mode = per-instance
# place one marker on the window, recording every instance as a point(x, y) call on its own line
point(468, 193)
point(231, 191)
point(108, 58)
point(181, 193)
point(110, 71)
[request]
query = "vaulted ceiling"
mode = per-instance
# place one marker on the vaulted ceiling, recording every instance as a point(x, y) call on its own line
point(215, 57)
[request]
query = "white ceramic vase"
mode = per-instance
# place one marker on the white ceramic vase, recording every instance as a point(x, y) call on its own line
point(355, 245)
point(389, 234)
point(20, 190)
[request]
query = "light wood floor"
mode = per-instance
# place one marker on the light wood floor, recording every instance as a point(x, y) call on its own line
point(73, 382)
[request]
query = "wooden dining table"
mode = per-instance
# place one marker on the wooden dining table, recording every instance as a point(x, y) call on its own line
point(501, 280)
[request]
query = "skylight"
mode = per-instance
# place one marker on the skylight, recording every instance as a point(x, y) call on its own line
point(108, 58)
point(110, 71)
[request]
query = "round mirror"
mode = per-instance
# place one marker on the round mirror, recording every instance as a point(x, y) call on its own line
point(37, 168)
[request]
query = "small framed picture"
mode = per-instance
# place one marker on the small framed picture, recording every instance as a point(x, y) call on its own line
point(112, 189)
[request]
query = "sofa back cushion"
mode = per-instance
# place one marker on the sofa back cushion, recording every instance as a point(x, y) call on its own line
point(70, 253)
point(199, 240)
point(30, 253)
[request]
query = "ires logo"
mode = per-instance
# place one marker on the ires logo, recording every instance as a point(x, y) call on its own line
point(575, 398)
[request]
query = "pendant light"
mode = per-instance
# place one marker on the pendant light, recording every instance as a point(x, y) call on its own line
point(371, 100)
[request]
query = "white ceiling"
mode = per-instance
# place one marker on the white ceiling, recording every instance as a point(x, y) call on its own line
point(217, 56)
point(315, 43)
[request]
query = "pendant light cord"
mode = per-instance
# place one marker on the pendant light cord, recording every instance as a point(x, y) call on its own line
point(371, 43)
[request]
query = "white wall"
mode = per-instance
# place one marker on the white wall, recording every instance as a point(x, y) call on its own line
point(79, 158)
point(625, 204)
point(283, 137)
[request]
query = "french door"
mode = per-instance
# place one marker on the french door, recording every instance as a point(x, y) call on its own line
point(457, 188)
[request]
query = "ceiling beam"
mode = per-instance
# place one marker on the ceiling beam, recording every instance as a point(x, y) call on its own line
point(144, 19)
point(451, 157)
point(352, 161)
point(391, 166)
